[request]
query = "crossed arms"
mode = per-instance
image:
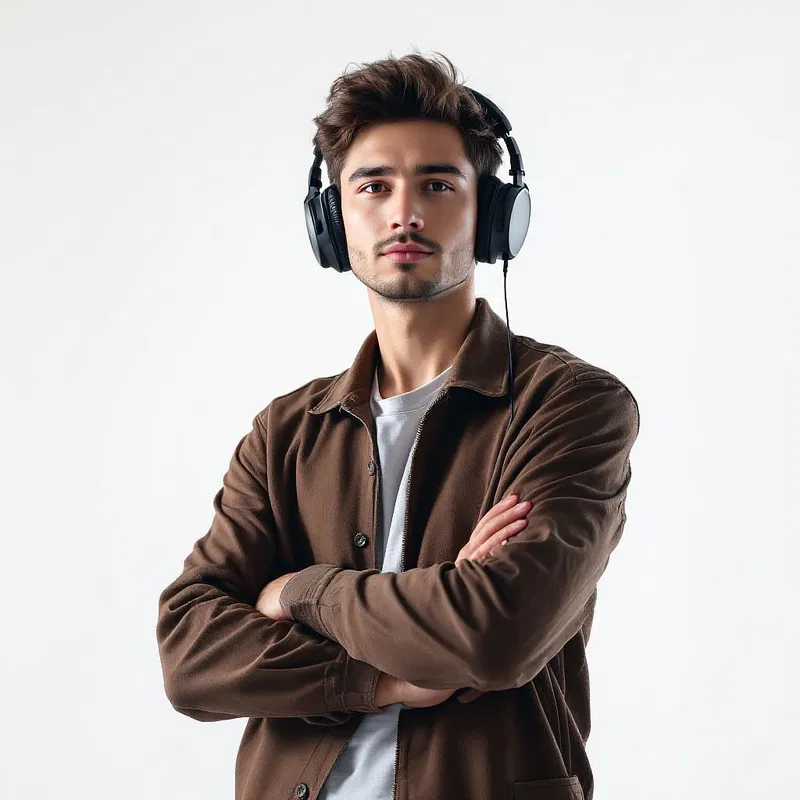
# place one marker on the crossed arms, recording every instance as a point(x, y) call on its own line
point(488, 627)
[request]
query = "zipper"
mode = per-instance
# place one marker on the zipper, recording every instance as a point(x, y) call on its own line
point(377, 499)
point(403, 545)
point(396, 755)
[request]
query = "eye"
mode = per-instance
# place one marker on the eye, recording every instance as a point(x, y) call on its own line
point(430, 183)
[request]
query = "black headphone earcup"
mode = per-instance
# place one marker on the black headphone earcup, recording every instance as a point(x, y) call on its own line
point(489, 187)
point(504, 213)
point(332, 206)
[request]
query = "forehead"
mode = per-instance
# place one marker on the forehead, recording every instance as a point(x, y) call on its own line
point(405, 144)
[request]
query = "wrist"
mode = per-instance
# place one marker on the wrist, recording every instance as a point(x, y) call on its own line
point(386, 692)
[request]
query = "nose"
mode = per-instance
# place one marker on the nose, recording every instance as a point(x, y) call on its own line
point(405, 212)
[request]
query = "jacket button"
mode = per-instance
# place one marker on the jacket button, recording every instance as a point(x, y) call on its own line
point(301, 791)
point(371, 467)
point(360, 539)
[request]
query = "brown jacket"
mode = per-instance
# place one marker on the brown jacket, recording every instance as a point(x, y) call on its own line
point(302, 493)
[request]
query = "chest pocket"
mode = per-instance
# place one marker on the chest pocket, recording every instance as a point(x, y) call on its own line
point(549, 789)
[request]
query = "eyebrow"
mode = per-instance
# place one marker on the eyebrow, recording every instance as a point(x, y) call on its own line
point(419, 169)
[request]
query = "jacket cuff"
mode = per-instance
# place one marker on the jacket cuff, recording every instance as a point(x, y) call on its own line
point(352, 686)
point(300, 596)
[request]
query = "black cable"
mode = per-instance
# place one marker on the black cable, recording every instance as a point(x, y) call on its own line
point(508, 331)
point(510, 363)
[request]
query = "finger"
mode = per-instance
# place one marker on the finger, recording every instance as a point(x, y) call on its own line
point(494, 520)
point(494, 514)
point(474, 552)
point(484, 558)
point(484, 532)
point(506, 503)
point(480, 556)
point(500, 538)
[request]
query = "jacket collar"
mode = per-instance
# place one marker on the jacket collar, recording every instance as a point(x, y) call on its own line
point(481, 364)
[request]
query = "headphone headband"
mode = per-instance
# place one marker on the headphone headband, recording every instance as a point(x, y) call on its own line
point(501, 128)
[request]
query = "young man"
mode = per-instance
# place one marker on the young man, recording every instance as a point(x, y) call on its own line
point(353, 597)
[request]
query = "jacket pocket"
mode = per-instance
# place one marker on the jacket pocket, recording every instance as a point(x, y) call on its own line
point(549, 789)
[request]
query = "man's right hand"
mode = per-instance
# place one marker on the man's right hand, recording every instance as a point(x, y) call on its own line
point(500, 523)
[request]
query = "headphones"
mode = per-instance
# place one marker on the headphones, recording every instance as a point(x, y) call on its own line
point(504, 209)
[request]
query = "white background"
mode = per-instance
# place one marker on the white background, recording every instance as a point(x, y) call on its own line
point(158, 289)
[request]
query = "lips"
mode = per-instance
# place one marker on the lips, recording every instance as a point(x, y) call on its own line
point(406, 256)
point(402, 249)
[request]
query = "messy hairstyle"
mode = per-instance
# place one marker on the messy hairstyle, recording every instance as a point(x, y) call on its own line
point(394, 89)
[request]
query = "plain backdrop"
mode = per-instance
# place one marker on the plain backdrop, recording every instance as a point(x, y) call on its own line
point(158, 290)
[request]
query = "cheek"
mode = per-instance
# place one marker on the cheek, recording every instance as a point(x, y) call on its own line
point(359, 227)
point(462, 214)
point(461, 226)
point(471, 214)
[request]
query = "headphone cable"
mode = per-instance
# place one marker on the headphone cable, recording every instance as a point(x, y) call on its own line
point(508, 331)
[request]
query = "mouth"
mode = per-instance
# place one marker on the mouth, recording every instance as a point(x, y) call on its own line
point(405, 256)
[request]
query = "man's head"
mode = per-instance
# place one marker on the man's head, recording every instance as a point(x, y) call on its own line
point(405, 144)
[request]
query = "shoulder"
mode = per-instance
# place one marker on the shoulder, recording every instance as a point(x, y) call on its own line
point(548, 371)
point(291, 407)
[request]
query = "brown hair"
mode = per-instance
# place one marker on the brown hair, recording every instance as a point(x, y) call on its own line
point(394, 89)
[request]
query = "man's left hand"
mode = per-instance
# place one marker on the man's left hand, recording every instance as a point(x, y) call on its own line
point(268, 602)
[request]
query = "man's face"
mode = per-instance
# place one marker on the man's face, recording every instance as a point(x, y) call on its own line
point(386, 201)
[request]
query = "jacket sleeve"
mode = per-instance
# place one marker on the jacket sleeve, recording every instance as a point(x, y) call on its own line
point(220, 657)
point(495, 625)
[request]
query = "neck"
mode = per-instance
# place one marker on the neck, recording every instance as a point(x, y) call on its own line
point(418, 340)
